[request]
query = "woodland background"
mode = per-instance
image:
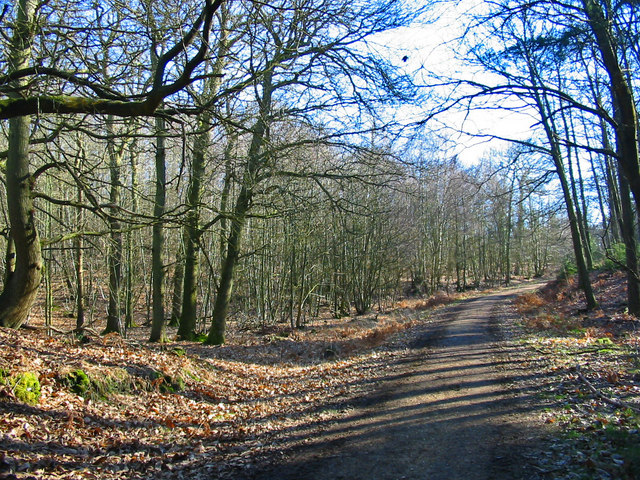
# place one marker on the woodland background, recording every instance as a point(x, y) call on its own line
point(194, 163)
point(293, 178)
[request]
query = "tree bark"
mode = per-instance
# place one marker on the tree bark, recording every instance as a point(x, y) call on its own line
point(186, 331)
point(79, 260)
point(114, 258)
point(225, 288)
point(158, 323)
point(22, 283)
point(626, 118)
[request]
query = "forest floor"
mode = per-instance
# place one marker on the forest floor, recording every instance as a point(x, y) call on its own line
point(486, 387)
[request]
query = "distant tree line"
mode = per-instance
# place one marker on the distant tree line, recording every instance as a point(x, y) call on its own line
point(571, 69)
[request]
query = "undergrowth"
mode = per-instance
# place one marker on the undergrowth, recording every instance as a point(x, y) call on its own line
point(592, 386)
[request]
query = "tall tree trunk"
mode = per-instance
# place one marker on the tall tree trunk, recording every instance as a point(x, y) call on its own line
point(508, 235)
point(22, 283)
point(615, 209)
point(626, 127)
point(186, 331)
point(578, 250)
point(158, 324)
point(178, 281)
point(193, 231)
point(225, 288)
point(79, 260)
point(551, 133)
point(226, 189)
point(114, 258)
point(132, 266)
point(583, 226)
point(631, 256)
point(582, 221)
point(241, 208)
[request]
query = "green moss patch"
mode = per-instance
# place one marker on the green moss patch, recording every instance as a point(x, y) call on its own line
point(26, 387)
point(167, 383)
point(78, 382)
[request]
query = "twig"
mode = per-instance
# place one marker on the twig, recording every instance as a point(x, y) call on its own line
point(611, 401)
point(35, 328)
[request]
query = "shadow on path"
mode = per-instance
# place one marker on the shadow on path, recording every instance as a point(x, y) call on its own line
point(448, 413)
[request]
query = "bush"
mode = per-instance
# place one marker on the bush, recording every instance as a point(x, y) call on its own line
point(616, 256)
point(529, 303)
point(568, 270)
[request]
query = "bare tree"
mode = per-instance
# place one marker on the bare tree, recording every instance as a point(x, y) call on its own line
point(21, 87)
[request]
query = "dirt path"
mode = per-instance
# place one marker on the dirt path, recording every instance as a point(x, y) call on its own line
point(451, 411)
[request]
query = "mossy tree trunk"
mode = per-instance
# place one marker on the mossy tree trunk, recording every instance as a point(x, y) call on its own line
point(193, 230)
point(158, 323)
point(22, 282)
point(188, 317)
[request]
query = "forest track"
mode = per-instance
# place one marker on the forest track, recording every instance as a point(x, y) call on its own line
point(456, 407)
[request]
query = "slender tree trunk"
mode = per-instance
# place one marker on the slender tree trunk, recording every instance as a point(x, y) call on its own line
point(187, 326)
point(578, 250)
point(178, 273)
point(520, 267)
point(243, 203)
point(186, 331)
point(225, 288)
point(79, 246)
point(158, 324)
point(615, 209)
point(114, 259)
point(132, 267)
point(22, 283)
point(585, 218)
point(178, 281)
point(226, 190)
point(509, 227)
point(556, 156)
point(582, 222)
point(581, 213)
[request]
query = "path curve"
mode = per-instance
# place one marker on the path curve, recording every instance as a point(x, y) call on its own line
point(449, 411)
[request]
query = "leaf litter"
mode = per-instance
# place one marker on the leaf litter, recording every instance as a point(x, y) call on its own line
point(591, 363)
point(185, 410)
